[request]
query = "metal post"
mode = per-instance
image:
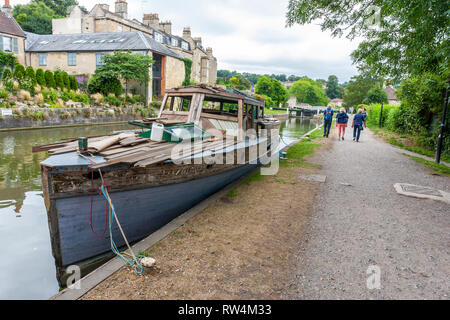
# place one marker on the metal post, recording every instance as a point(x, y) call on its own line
point(441, 134)
point(381, 115)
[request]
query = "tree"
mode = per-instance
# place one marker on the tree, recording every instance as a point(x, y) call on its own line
point(73, 83)
point(66, 80)
point(264, 86)
point(50, 79)
point(125, 66)
point(35, 17)
point(60, 7)
point(309, 91)
point(333, 89)
point(357, 90)
point(376, 95)
point(30, 74)
point(40, 78)
point(19, 72)
point(402, 37)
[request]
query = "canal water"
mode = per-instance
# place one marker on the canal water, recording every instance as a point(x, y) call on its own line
point(27, 269)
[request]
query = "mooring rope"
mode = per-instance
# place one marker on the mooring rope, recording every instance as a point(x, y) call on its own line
point(135, 261)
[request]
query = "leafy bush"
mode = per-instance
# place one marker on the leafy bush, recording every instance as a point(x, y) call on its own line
point(4, 94)
point(50, 96)
point(7, 75)
point(40, 77)
point(104, 86)
point(50, 79)
point(113, 100)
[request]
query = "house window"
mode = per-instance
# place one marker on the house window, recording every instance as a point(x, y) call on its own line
point(185, 45)
point(72, 59)
point(7, 47)
point(174, 42)
point(87, 25)
point(119, 28)
point(42, 59)
point(99, 59)
point(15, 45)
point(159, 37)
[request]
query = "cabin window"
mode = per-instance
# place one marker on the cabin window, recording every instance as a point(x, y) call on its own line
point(7, 46)
point(99, 59)
point(42, 59)
point(72, 58)
point(119, 28)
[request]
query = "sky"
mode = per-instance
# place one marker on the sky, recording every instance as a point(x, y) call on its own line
point(251, 35)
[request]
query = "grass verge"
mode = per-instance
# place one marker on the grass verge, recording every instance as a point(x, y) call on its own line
point(393, 139)
point(441, 169)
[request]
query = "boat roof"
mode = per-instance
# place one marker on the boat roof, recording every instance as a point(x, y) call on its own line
point(216, 94)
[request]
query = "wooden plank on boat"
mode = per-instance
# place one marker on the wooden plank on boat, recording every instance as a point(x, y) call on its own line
point(105, 143)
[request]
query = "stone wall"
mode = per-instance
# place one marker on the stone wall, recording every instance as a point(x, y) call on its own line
point(49, 117)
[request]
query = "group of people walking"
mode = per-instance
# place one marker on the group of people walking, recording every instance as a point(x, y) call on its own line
point(342, 119)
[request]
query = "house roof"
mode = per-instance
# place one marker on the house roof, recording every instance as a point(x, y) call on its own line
point(9, 26)
point(87, 42)
point(390, 91)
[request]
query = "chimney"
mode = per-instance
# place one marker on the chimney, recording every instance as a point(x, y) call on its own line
point(7, 9)
point(166, 26)
point(122, 8)
point(152, 20)
point(104, 6)
point(187, 33)
point(198, 41)
point(209, 52)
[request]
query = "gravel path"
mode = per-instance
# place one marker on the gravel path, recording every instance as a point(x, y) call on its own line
point(360, 221)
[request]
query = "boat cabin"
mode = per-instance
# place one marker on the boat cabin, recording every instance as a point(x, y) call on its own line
point(212, 108)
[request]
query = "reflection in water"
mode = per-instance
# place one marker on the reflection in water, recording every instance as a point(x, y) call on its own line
point(27, 269)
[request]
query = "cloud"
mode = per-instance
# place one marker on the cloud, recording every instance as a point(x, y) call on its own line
point(252, 36)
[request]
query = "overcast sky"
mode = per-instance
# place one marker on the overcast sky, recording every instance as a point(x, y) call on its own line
point(250, 35)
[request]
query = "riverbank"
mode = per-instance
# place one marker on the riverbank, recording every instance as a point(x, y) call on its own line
point(241, 247)
point(41, 118)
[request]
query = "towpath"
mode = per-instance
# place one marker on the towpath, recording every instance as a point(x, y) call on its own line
point(359, 221)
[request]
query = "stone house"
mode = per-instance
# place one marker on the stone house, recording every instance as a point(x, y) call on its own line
point(392, 96)
point(12, 37)
point(81, 54)
point(100, 20)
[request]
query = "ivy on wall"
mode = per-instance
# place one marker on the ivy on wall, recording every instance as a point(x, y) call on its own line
point(187, 68)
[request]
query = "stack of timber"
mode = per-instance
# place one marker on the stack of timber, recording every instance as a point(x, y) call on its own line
point(129, 148)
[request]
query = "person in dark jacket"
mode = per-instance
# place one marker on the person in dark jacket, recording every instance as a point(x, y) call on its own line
point(342, 122)
point(327, 121)
point(357, 125)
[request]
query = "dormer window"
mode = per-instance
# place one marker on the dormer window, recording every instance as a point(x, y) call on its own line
point(185, 45)
point(159, 37)
point(174, 42)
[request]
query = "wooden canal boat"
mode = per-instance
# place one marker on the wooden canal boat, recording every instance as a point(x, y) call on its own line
point(146, 182)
